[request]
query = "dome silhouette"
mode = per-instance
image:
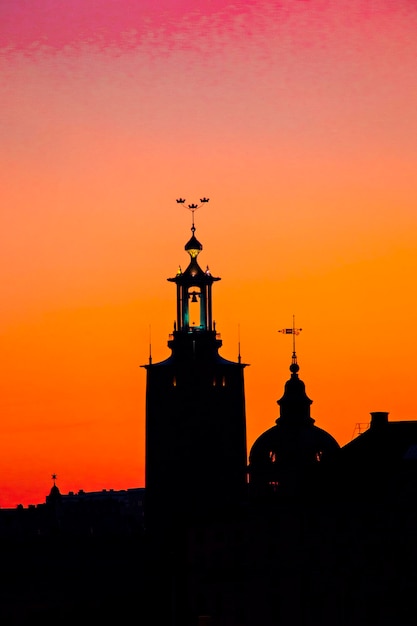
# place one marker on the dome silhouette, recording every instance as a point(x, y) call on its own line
point(282, 456)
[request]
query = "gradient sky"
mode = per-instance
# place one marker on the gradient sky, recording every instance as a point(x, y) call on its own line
point(296, 118)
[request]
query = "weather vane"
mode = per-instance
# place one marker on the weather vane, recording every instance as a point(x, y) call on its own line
point(193, 207)
point(292, 331)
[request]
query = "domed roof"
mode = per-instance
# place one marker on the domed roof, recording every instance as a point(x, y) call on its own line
point(193, 246)
point(286, 451)
point(193, 274)
point(54, 494)
point(293, 445)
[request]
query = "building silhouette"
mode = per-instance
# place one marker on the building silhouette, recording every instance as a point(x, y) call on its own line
point(303, 532)
point(285, 458)
point(195, 411)
point(195, 436)
point(75, 558)
point(316, 534)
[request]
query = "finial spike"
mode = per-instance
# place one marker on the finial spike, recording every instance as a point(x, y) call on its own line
point(292, 331)
point(294, 355)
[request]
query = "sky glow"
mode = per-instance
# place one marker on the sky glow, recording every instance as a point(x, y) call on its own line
point(296, 118)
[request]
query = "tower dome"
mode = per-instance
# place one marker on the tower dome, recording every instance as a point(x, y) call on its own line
point(54, 494)
point(193, 246)
point(283, 456)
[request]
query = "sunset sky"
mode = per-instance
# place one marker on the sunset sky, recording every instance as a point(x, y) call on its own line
point(297, 118)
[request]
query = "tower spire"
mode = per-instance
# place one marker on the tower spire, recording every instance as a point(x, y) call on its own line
point(194, 292)
point(292, 331)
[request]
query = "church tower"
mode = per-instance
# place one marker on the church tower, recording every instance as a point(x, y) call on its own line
point(285, 457)
point(195, 410)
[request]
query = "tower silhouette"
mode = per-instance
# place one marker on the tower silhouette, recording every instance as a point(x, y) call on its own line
point(195, 410)
point(283, 459)
point(196, 462)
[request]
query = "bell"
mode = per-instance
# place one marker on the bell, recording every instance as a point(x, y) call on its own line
point(194, 298)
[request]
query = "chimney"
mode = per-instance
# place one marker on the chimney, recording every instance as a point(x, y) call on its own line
point(379, 419)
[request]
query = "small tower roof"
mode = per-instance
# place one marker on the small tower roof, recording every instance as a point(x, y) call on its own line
point(295, 404)
point(193, 273)
point(193, 246)
point(54, 494)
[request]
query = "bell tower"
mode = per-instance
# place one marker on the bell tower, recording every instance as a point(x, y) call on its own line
point(195, 410)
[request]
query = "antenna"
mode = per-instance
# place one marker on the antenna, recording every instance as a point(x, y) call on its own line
point(239, 359)
point(292, 331)
point(150, 346)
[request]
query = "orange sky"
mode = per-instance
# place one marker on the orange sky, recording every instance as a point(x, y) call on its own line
point(297, 119)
